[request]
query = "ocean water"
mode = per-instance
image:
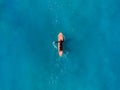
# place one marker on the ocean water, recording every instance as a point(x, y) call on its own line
point(91, 59)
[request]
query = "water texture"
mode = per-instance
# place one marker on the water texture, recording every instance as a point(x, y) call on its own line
point(91, 59)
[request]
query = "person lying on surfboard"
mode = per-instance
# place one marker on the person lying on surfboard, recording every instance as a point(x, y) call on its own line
point(61, 44)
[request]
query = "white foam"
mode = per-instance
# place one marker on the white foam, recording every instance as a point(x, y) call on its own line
point(54, 45)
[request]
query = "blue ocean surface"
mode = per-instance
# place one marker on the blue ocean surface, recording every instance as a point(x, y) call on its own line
point(91, 59)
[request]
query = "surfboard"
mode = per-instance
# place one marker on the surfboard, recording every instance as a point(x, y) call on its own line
point(60, 37)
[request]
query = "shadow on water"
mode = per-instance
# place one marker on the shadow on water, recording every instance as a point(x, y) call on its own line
point(66, 45)
point(71, 45)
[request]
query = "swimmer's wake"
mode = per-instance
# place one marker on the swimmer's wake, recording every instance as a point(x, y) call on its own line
point(54, 44)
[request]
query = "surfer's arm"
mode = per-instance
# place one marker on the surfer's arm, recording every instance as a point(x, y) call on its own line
point(56, 41)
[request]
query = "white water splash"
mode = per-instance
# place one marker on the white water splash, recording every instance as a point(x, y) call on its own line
point(54, 45)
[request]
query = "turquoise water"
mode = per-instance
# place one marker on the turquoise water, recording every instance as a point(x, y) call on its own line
point(28, 60)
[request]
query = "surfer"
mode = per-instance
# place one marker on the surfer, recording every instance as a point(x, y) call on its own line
point(60, 44)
